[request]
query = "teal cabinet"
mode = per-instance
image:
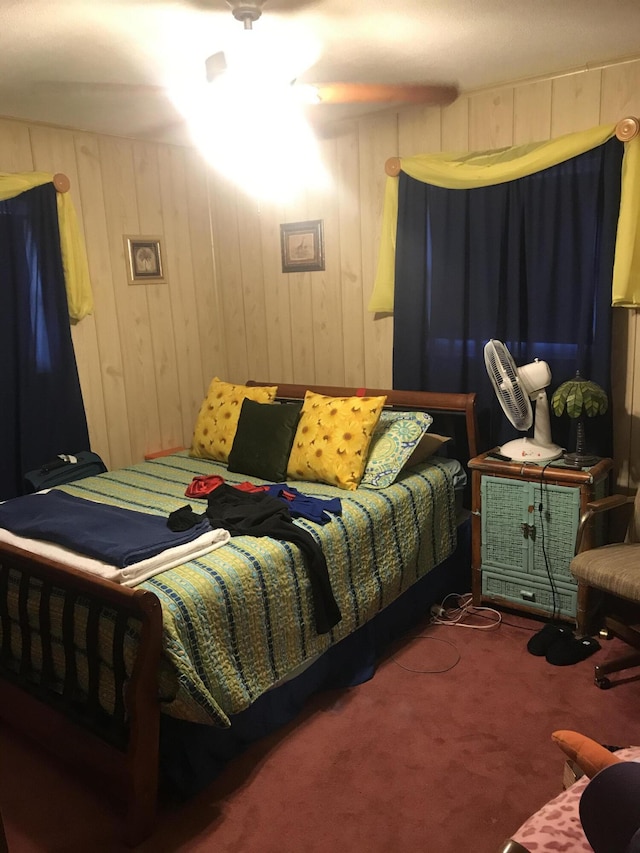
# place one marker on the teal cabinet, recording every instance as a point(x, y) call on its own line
point(524, 531)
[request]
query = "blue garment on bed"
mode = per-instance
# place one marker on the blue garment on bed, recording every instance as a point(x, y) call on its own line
point(305, 506)
point(117, 536)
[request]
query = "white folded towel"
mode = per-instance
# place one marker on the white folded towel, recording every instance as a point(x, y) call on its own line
point(130, 575)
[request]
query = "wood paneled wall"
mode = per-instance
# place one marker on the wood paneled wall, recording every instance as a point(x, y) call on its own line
point(147, 353)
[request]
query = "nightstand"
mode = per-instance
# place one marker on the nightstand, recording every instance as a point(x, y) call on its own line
point(524, 524)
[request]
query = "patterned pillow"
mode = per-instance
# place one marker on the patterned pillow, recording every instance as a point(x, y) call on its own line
point(218, 418)
point(394, 440)
point(332, 439)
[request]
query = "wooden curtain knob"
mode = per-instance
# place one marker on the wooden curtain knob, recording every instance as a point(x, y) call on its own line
point(61, 182)
point(392, 167)
point(627, 128)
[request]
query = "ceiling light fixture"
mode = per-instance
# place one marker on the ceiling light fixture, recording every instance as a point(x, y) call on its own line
point(246, 11)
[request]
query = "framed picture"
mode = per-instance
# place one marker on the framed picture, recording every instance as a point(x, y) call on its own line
point(145, 262)
point(302, 246)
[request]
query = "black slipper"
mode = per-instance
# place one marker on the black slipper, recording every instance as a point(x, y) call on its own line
point(541, 642)
point(569, 650)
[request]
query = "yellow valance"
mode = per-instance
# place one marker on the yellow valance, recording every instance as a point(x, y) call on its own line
point(74, 257)
point(482, 169)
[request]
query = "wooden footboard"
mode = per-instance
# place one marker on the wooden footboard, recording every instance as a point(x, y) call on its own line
point(51, 652)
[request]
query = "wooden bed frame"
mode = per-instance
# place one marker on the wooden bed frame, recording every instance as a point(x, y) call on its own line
point(124, 746)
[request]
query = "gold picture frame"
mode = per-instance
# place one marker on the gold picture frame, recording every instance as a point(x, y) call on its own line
point(302, 246)
point(145, 260)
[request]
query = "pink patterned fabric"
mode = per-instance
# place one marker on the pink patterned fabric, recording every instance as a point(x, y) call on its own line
point(556, 827)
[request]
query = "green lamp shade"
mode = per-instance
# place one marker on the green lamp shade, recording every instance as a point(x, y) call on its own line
point(579, 397)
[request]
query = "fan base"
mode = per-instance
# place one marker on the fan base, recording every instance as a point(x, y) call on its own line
point(528, 450)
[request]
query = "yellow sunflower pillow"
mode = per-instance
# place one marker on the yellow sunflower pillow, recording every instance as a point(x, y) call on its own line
point(218, 418)
point(332, 439)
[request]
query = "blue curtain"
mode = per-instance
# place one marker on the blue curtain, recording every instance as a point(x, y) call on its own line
point(528, 262)
point(40, 398)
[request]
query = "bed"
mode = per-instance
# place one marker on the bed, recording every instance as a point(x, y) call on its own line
point(176, 670)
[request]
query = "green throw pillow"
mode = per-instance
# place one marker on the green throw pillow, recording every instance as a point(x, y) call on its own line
point(394, 439)
point(263, 439)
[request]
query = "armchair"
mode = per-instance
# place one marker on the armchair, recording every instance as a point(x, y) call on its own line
point(608, 579)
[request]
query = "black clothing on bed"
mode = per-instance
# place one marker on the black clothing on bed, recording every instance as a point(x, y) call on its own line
point(259, 514)
point(183, 518)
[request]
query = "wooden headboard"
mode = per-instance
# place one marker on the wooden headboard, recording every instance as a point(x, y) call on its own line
point(453, 414)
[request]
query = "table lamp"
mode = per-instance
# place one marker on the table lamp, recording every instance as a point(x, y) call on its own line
point(580, 398)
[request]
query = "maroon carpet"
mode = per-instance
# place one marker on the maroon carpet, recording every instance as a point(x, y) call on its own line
point(448, 762)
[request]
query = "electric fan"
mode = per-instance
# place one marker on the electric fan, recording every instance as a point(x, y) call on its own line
point(516, 387)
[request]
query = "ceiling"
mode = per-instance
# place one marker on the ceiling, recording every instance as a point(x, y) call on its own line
point(65, 61)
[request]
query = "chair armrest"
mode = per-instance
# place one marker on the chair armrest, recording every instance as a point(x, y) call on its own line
point(595, 508)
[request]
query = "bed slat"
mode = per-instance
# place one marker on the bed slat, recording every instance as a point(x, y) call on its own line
point(5, 621)
point(119, 669)
point(48, 675)
point(68, 636)
point(25, 627)
point(93, 659)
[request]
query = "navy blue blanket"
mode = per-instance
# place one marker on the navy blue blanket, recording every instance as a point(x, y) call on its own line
point(119, 537)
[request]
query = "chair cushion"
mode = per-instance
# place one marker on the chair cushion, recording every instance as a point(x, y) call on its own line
point(612, 568)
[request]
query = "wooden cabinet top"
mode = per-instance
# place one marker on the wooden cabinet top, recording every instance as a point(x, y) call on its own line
point(552, 472)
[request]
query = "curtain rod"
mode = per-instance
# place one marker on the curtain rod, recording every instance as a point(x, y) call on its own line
point(626, 129)
point(61, 182)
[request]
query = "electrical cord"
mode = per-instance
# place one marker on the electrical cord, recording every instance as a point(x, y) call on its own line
point(552, 583)
point(457, 614)
point(430, 671)
point(454, 615)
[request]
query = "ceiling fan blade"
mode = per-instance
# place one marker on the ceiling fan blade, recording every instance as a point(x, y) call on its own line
point(371, 93)
point(83, 87)
point(215, 65)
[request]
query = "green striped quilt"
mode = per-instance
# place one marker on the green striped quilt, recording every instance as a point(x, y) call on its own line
point(240, 619)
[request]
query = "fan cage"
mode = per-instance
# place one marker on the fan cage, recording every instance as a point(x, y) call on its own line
point(506, 382)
